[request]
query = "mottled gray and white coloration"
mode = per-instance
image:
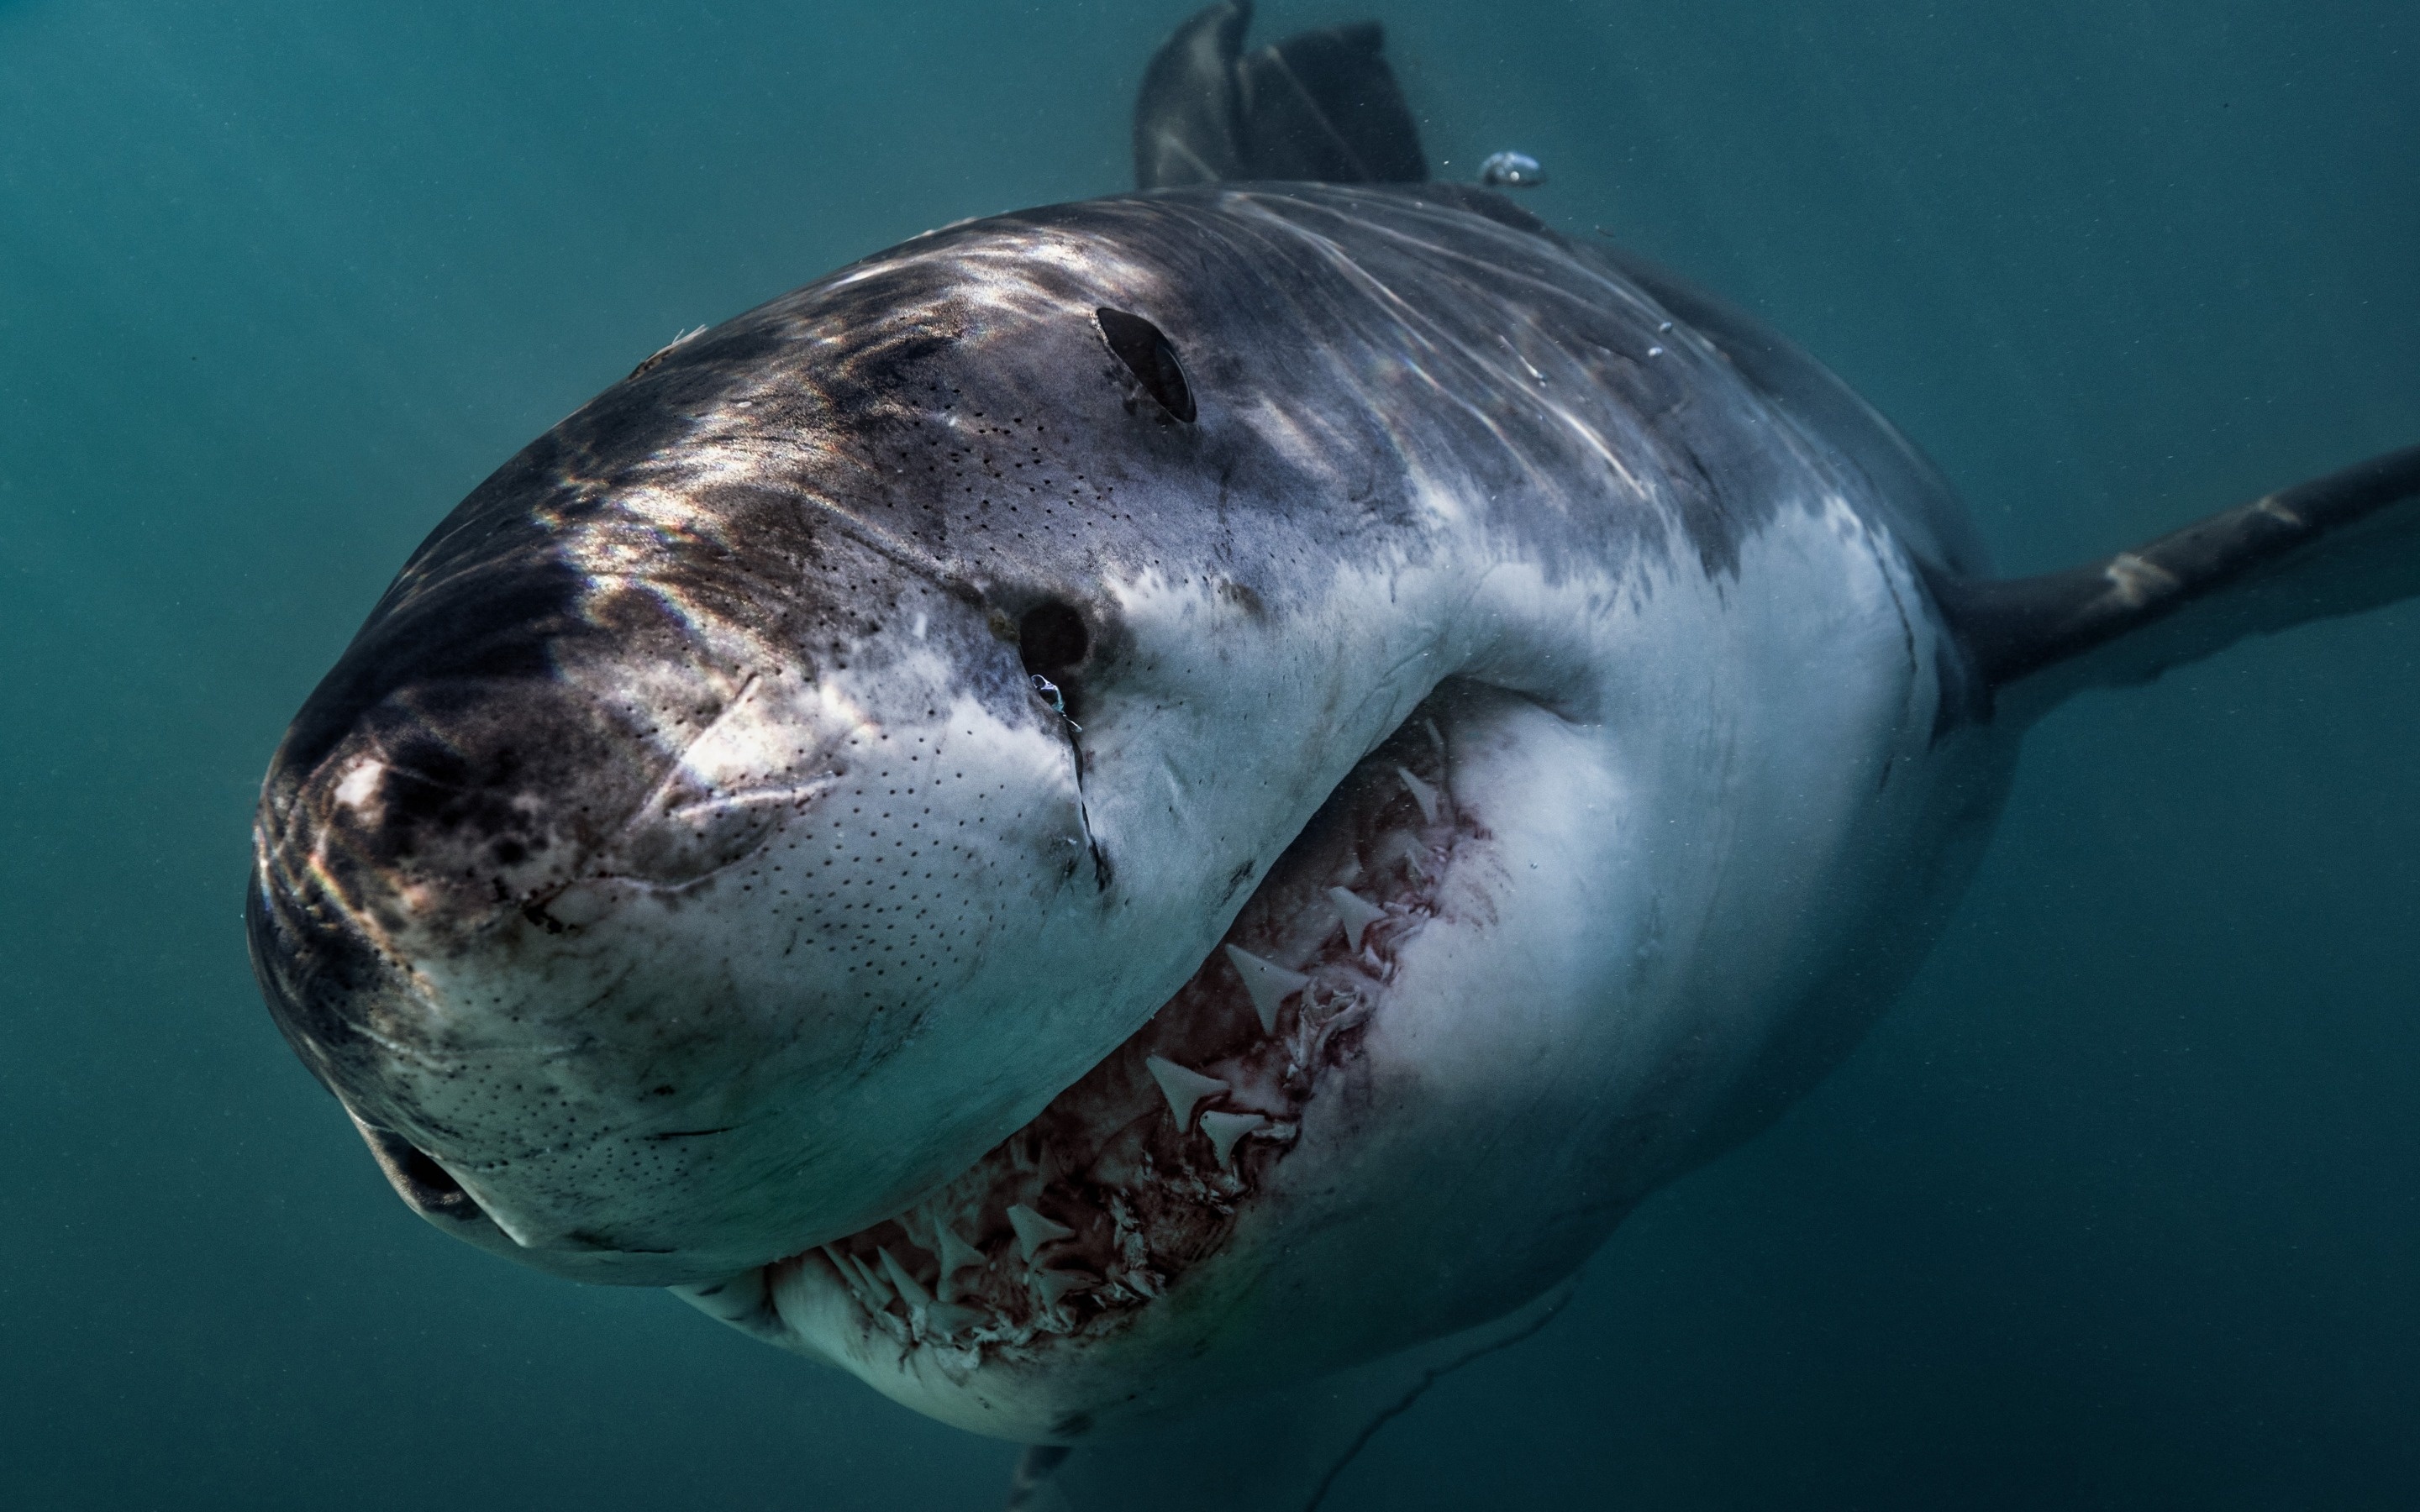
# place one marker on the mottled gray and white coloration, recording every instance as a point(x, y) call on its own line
point(1073, 913)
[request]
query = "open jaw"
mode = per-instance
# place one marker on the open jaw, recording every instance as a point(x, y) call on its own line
point(1064, 1233)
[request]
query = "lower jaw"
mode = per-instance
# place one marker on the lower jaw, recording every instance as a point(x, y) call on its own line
point(1049, 1289)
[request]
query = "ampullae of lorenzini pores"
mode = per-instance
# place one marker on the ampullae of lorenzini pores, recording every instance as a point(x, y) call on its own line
point(1155, 814)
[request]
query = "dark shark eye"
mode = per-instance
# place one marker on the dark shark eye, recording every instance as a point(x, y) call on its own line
point(1137, 343)
point(1051, 639)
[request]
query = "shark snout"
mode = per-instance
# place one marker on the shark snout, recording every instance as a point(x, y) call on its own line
point(622, 966)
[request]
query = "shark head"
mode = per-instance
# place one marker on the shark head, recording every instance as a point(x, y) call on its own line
point(777, 783)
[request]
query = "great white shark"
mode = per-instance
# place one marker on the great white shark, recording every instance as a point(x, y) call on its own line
point(1126, 805)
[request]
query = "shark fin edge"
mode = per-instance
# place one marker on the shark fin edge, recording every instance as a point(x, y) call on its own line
point(2334, 546)
point(1321, 105)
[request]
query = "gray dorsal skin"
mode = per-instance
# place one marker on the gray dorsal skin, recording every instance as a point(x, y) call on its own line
point(1148, 818)
point(1320, 106)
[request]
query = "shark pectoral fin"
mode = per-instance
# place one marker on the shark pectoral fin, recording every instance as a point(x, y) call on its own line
point(2335, 546)
point(1032, 1486)
point(1302, 1436)
point(1320, 106)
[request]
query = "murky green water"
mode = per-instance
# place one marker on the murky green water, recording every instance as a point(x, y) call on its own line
point(2118, 1209)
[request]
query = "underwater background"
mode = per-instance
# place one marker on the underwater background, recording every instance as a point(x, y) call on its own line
point(2120, 1208)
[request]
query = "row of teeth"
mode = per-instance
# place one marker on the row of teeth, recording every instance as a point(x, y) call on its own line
point(935, 1313)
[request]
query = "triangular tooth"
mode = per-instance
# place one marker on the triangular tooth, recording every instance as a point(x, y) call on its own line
point(1424, 794)
point(1054, 1285)
point(1033, 1230)
point(1184, 1089)
point(1269, 983)
point(911, 1290)
point(848, 1277)
point(957, 1254)
point(874, 1280)
point(1358, 913)
point(1224, 1128)
point(875, 1286)
point(949, 1320)
point(848, 1272)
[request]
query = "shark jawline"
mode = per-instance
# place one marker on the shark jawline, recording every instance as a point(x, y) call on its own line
point(1136, 1173)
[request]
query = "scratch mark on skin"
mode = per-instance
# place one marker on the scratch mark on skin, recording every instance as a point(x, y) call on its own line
point(407, 1052)
point(2268, 505)
point(902, 553)
point(679, 763)
point(755, 799)
point(2137, 581)
point(1907, 641)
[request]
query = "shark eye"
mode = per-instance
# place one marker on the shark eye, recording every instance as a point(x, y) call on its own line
point(1137, 343)
point(1052, 640)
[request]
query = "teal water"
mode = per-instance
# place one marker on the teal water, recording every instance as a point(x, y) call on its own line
point(2118, 1208)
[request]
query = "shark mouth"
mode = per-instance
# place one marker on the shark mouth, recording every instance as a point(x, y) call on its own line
point(1136, 1173)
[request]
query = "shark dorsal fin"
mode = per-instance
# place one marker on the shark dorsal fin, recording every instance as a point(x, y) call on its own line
point(1319, 105)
